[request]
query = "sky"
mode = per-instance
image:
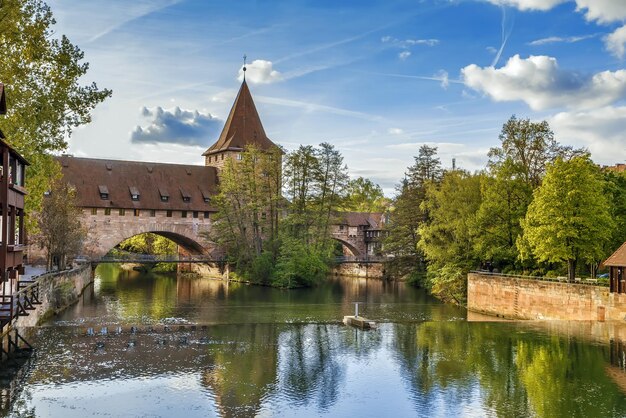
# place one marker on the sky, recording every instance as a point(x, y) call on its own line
point(377, 79)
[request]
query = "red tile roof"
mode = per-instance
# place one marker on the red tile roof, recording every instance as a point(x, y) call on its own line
point(371, 220)
point(119, 179)
point(243, 126)
point(618, 258)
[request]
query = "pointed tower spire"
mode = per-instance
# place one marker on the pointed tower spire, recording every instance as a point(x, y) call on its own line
point(243, 127)
point(244, 67)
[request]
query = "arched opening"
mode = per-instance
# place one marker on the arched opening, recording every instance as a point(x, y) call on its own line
point(347, 249)
point(159, 243)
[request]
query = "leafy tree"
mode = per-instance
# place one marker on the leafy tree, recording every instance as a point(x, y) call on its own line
point(248, 207)
point(514, 170)
point(149, 243)
point(569, 218)
point(364, 196)
point(61, 232)
point(447, 240)
point(526, 148)
point(45, 99)
point(616, 194)
point(316, 182)
point(505, 199)
point(408, 213)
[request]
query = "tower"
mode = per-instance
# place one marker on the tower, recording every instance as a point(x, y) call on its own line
point(243, 127)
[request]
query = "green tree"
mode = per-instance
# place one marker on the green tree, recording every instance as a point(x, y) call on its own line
point(248, 203)
point(514, 170)
point(616, 194)
point(526, 147)
point(364, 196)
point(447, 240)
point(408, 213)
point(46, 100)
point(61, 232)
point(569, 218)
point(149, 243)
point(316, 182)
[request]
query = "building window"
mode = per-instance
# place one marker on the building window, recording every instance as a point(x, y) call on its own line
point(263, 215)
point(209, 158)
point(104, 192)
point(94, 211)
point(134, 197)
point(239, 157)
point(341, 227)
point(206, 215)
point(152, 213)
point(136, 212)
point(186, 199)
point(169, 214)
point(195, 214)
point(183, 214)
point(165, 198)
point(207, 200)
point(122, 212)
point(222, 157)
point(107, 211)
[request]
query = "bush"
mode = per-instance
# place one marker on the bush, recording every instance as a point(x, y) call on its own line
point(299, 265)
point(449, 283)
point(261, 269)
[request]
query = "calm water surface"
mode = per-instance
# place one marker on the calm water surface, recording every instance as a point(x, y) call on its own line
point(257, 351)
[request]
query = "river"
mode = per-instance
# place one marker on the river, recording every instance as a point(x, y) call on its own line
point(258, 351)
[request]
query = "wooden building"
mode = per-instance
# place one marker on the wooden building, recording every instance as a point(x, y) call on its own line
point(12, 245)
point(617, 270)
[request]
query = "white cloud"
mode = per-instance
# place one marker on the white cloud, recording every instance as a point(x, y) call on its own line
point(404, 55)
point(260, 72)
point(600, 130)
point(405, 43)
point(540, 83)
point(443, 76)
point(491, 50)
point(529, 4)
point(560, 39)
point(616, 42)
point(602, 11)
point(177, 126)
point(395, 131)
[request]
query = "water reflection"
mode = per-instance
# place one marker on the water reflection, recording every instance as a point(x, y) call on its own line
point(266, 352)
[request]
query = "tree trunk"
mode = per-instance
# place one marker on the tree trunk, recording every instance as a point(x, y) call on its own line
point(571, 270)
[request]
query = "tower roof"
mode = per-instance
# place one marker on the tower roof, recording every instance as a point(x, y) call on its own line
point(243, 126)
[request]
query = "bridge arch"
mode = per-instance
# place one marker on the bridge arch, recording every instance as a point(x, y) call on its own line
point(354, 250)
point(103, 238)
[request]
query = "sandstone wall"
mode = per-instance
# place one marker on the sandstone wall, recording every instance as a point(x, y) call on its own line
point(57, 291)
point(370, 270)
point(519, 298)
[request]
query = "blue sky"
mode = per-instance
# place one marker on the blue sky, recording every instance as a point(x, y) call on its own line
point(376, 78)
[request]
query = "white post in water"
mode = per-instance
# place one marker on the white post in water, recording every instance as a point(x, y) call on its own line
point(356, 309)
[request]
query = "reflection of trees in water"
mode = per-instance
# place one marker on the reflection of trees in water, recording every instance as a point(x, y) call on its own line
point(242, 369)
point(310, 369)
point(517, 374)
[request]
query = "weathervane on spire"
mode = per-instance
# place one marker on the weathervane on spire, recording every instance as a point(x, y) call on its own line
point(244, 66)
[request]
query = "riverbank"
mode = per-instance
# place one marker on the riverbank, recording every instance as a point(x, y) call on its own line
point(57, 291)
point(517, 297)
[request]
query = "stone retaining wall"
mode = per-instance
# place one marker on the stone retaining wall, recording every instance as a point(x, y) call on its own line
point(520, 298)
point(369, 270)
point(57, 291)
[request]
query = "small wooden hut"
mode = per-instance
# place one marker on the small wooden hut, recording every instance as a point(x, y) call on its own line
point(617, 270)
